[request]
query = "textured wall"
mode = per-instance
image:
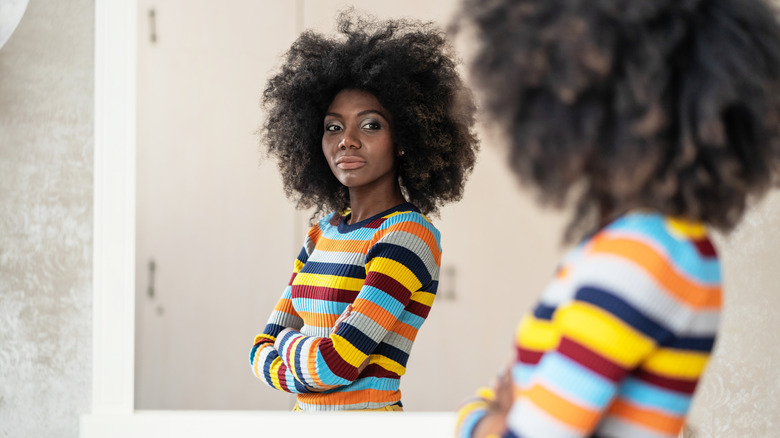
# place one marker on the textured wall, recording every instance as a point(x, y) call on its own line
point(46, 91)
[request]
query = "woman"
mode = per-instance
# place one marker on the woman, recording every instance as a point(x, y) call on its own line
point(375, 127)
point(660, 120)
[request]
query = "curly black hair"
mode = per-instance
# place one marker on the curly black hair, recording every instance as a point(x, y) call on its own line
point(410, 67)
point(612, 105)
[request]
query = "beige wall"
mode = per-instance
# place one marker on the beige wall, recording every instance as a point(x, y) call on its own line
point(46, 145)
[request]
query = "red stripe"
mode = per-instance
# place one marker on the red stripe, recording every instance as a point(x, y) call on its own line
point(335, 219)
point(324, 293)
point(705, 248)
point(684, 386)
point(591, 360)
point(292, 278)
point(375, 223)
point(418, 309)
point(529, 357)
point(375, 370)
point(335, 363)
point(281, 373)
point(389, 285)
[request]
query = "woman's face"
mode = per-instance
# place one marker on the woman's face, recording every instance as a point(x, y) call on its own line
point(358, 141)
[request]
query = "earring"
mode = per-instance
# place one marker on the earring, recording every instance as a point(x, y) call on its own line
point(402, 153)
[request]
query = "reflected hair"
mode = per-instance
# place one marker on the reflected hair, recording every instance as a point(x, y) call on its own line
point(410, 67)
point(613, 105)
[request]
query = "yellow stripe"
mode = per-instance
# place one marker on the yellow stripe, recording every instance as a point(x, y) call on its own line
point(396, 270)
point(388, 364)
point(676, 363)
point(332, 281)
point(293, 347)
point(298, 265)
point(687, 229)
point(425, 298)
point(603, 333)
point(537, 334)
point(347, 351)
point(274, 371)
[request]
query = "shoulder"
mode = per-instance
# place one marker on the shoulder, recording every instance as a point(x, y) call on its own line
point(407, 221)
point(657, 254)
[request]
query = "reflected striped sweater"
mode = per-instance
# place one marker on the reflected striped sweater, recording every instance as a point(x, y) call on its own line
point(619, 339)
point(387, 267)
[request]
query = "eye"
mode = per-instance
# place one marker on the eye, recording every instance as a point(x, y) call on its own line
point(372, 126)
point(332, 127)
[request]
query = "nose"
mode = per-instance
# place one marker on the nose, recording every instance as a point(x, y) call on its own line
point(350, 141)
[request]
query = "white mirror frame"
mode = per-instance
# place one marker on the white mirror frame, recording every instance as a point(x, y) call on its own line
point(113, 341)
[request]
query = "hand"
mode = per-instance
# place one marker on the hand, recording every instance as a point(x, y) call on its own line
point(494, 423)
point(338, 322)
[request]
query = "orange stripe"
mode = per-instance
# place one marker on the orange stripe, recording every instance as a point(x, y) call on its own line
point(311, 363)
point(655, 264)
point(354, 246)
point(315, 319)
point(418, 230)
point(375, 312)
point(575, 416)
point(350, 397)
point(650, 419)
point(405, 330)
point(285, 305)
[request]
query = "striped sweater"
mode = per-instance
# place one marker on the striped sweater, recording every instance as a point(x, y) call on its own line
point(387, 267)
point(620, 337)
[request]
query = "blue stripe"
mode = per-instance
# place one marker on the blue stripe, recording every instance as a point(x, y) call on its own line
point(682, 253)
point(543, 311)
point(411, 319)
point(337, 269)
point(624, 311)
point(357, 338)
point(269, 360)
point(653, 397)
point(252, 354)
point(297, 363)
point(585, 386)
point(378, 383)
point(381, 299)
point(470, 423)
point(392, 353)
point(403, 256)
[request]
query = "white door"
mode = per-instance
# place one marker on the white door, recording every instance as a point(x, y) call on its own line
point(211, 217)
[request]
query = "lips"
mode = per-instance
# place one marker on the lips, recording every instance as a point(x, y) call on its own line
point(349, 162)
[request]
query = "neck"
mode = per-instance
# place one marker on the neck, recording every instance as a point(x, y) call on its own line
point(366, 203)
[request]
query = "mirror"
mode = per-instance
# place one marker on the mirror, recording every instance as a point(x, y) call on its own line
point(216, 238)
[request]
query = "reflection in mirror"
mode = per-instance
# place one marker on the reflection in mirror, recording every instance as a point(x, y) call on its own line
point(216, 237)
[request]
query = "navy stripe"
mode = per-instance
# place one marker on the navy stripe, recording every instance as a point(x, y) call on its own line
point(431, 287)
point(357, 338)
point(267, 367)
point(704, 344)
point(273, 329)
point(544, 312)
point(337, 269)
point(303, 256)
point(298, 369)
point(391, 352)
point(403, 256)
point(624, 311)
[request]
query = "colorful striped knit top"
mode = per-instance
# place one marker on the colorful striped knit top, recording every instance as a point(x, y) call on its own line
point(620, 337)
point(387, 267)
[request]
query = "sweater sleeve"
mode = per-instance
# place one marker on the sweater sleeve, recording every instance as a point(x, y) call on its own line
point(263, 358)
point(618, 334)
point(402, 267)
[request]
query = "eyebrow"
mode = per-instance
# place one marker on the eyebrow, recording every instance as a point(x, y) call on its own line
point(362, 113)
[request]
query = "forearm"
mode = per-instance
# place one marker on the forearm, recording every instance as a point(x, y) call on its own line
point(269, 368)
